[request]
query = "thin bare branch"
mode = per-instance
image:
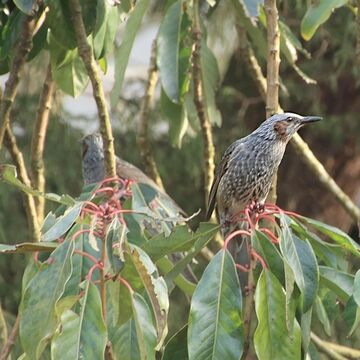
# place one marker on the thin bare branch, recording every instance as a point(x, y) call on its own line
point(5, 351)
point(21, 51)
point(18, 160)
point(308, 156)
point(209, 149)
point(87, 56)
point(38, 142)
point(143, 138)
point(324, 348)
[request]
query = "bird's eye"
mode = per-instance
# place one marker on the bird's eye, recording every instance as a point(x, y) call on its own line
point(289, 119)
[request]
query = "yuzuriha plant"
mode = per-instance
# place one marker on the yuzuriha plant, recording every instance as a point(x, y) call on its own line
point(99, 282)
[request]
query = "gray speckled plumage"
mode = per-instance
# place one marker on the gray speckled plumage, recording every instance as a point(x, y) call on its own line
point(245, 172)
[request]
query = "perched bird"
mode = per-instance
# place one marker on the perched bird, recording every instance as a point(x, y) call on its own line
point(245, 172)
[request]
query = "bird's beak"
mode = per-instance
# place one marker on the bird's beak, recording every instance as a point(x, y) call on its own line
point(310, 119)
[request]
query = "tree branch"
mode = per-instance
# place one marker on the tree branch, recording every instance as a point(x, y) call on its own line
point(305, 152)
point(87, 56)
point(209, 149)
point(272, 78)
point(5, 351)
point(143, 138)
point(21, 51)
point(323, 347)
point(38, 142)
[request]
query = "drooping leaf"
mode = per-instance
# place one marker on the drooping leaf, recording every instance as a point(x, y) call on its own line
point(37, 311)
point(338, 281)
point(122, 53)
point(27, 247)
point(336, 235)
point(301, 258)
point(63, 223)
point(322, 315)
point(115, 239)
point(317, 14)
point(351, 315)
point(356, 293)
point(176, 347)
point(272, 339)
point(9, 175)
point(215, 325)
point(305, 326)
point(172, 54)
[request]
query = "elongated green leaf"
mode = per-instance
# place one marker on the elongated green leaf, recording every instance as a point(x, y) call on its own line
point(122, 53)
point(322, 315)
point(289, 299)
point(317, 14)
point(63, 223)
point(37, 311)
point(92, 335)
point(301, 258)
point(176, 347)
point(155, 287)
point(64, 343)
point(172, 56)
point(9, 175)
point(180, 239)
point(215, 325)
point(270, 253)
point(3, 329)
point(115, 238)
point(336, 235)
point(27, 247)
point(356, 293)
point(305, 326)
point(272, 340)
point(338, 281)
point(145, 330)
point(351, 315)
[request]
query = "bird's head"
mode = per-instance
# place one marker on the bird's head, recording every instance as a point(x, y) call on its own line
point(284, 126)
point(92, 146)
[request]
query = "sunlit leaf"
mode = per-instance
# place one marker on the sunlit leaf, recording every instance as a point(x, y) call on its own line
point(272, 339)
point(317, 14)
point(37, 311)
point(122, 53)
point(215, 325)
point(27, 247)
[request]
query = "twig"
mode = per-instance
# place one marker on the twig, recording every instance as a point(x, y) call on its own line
point(272, 78)
point(143, 140)
point(209, 149)
point(21, 51)
point(357, 52)
point(323, 347)
point(38, 142)
point(87, 56)
point(18, 159)
point(5, 351)
point(343, 350)
point(308, 156)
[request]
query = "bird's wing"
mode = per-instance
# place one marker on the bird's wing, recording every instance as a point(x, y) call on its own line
point(220, 171)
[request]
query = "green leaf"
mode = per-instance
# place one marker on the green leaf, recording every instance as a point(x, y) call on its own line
point(301, 258)
point(270, 254)
point(155, 287)
point(336, 235)
point(25, 5)
point(305, 326)
point(58, 19)
point(289, 299)
point(68, 69)
point(322, 315)
point(37, 311)
point(3, 329)
point(317, 14)
point(338, 281)
point(116, 236)
point(27, 247)
point(172, 54)
point(177, 117)
point(92, 335)
point(351, 315)
point(122, 53)
point(272, 339)
point(356, 293)
point(176, 347)
point(64, 343)
point(145, 331)
point(180, 239)
point(215, 325)
point(63, 223)
point(8, 174)
point(210, 78)
point(252, 7)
